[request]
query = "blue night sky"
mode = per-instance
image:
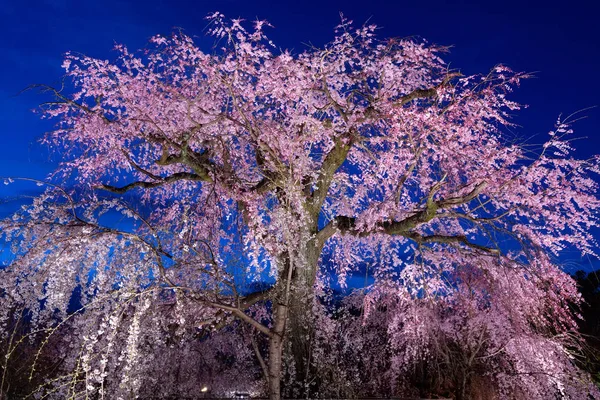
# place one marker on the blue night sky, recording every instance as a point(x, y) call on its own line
point(560, 42)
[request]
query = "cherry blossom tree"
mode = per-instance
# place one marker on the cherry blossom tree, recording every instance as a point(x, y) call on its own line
point(219, 194)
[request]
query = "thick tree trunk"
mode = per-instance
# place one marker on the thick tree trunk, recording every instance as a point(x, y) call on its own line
point(295, 310)
point(301, 322)
point(301, 332)
point(300, 317)
point(276, 351)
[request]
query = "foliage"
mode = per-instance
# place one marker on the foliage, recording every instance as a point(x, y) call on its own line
point(188, 178)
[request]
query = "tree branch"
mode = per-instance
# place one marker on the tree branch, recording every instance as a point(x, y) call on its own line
point(334, 159)
point(236, 311)
point(426, 93)
point(458, 239)
point(347, 225)
point(62, 100)
point(453, 201)
point(243, 316)
point(245, 303)
point(147, 185)
point(261, 360)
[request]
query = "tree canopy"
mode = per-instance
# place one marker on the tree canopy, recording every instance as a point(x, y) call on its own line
point(206, 202)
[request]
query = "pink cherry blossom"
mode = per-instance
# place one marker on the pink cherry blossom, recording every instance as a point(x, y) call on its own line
point(206, 201)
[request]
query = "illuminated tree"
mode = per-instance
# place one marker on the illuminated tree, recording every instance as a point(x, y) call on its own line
point(238, 184)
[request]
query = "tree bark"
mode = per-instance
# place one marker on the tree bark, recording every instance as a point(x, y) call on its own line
point(276, 350)
point(301, 323)
point(292, 314)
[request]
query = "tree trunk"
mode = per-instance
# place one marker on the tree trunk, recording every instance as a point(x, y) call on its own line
point(295, 310)
point(276, 351)
point(301, 322)
point(301, 331)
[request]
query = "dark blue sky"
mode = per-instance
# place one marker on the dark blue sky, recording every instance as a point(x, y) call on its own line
point(560, 42)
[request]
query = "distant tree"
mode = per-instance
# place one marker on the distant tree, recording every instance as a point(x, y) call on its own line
point(589, 286)
point(187, 177)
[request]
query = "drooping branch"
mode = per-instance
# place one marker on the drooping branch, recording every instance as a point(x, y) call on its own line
point(179, 176)
point(64, 100)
